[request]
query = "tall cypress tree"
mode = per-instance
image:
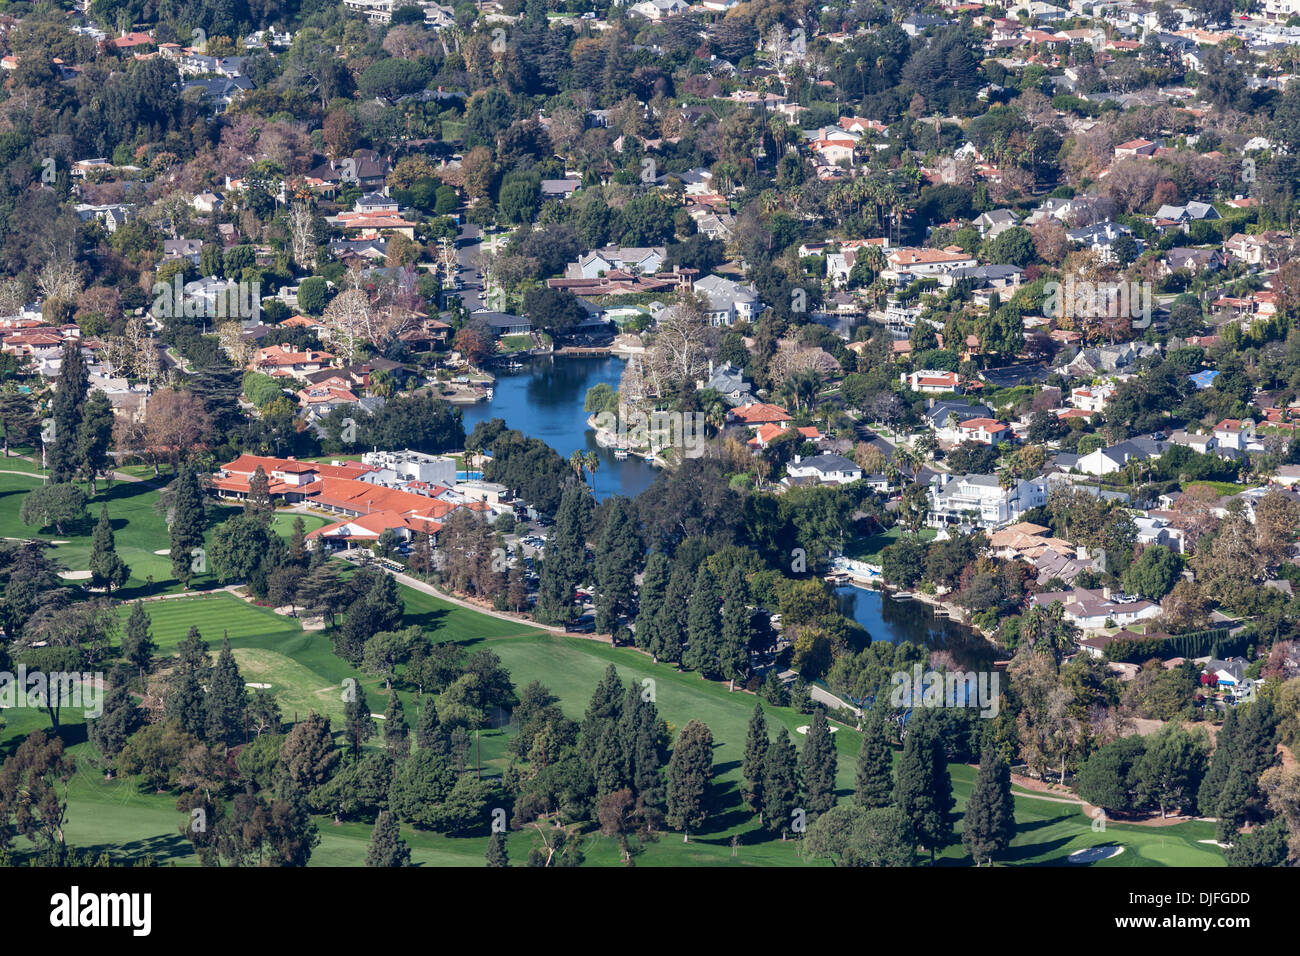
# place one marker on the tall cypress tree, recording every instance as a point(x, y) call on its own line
point(780, 784)
point(137, 642)
point(654, 588)
point(186, 700)
point(923, 790)
point(94, 438)
point(690, 771)
point(618, 560)
point(704, 626)
point(640, 733)
point(258, 503)
point(670, 622)
point(360, 725)
point(66, 409)
point(298, 543)
point(733, 647)
point(387, 848)
point(990, 821)
point(120, 717)
point(227, 699)
point(566, 563)
point(396, 732)
point(107, 569)
point(873, 786)
point(189, 521)
point(430, 734)
point(755, 760)
point(817, 763)
point(496, 851)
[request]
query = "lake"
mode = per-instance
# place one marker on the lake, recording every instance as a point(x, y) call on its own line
point(544, 400)
point(886, 619)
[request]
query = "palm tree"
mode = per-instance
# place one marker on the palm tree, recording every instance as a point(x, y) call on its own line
point(576, 461)
point(382, 383)
point(591, 461)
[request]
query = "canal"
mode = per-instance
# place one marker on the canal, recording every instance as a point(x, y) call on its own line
point(887, 619)
point(544, 400)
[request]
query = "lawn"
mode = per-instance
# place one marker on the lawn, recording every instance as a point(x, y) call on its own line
point(304, 674)
point(868, 549)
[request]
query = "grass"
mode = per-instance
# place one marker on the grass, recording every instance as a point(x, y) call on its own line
point(1220, 487)
point(868, 549)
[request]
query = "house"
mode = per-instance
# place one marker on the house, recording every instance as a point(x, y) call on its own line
point(994, 222)
point(758, 413)
point(1194, 261)
point(824, 469)
point(929, 380)
point(985, 431)
point(643, 260)
point(1106, 461)
point(1204, 444)
point(658, 9)
point(1168, 216)
point(981, 501)
point(502, 323)
point(284, 361)
point(1100, 237)
point(560, 188)
point(1092, 399)
point(729, 382)
point(111, 215)
point(217, 92)
point(904, 265)
point(1235, 435)
point(187, 249)
point(1092, 610)
point(945, 415)
point(728, 302)
point(1136, 147)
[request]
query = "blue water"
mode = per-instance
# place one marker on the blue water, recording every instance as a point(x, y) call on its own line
point(886, 619)
point(544, 400)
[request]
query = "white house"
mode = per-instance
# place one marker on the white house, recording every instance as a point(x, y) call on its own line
point(827, 469)
point(981, 501)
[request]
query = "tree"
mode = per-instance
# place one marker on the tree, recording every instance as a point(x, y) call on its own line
point(737, 631)
point(120, 718)
point(70, 390)
point(188, 522)
point(359, 722)
point(94, 437)
point(1170, 771)
point(704, 626)
point(56, 504)
point(186, 701)
point(17, 418)
point(848, 835)
point(396, 731)
point(618, 558)
point(33, 794)
point(497, 854)
point(1154, 573)
point(308, 758)
point(817, 765)
point(780, 784)
point(690, 771)
point(923, 788)
point(137, 642)
point(755, 760)
point(258, 504)
point(227, 699)
point(990, 821)
point(387, 848)
point(107, 569)
point(874, 780)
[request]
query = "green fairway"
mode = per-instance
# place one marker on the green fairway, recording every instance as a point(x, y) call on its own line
point(113, 815)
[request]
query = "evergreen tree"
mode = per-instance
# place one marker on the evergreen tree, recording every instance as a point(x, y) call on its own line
point(186, 700)
point(258, 503)
point(733, 649)
point(396, 732)
point(360, 725)
point(654, 588)
point(817, 764)
point(704, 627)
point(990, 822)
point(607, 759)
point(298, 543)
point(780, 784)
point(755, 761)
point(618, 560)
point(107, 569)
point(566, 563)
point(227, 699)
point(496, 851)
point(690, 771)
point(120, 718)
point(774, 690)
point(670, 622)
point(873, 785)
point(188, 523)
point(606, 705)
point(137, 642)
point(94, 438)
point(66, 409)
point(639, 734)
point(387, 848)
point(923, 788)
point(430, 734)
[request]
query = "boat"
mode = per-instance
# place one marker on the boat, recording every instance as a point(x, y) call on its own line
point(620, 452)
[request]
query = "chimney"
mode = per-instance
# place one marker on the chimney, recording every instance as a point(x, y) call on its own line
point(1105, 593)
